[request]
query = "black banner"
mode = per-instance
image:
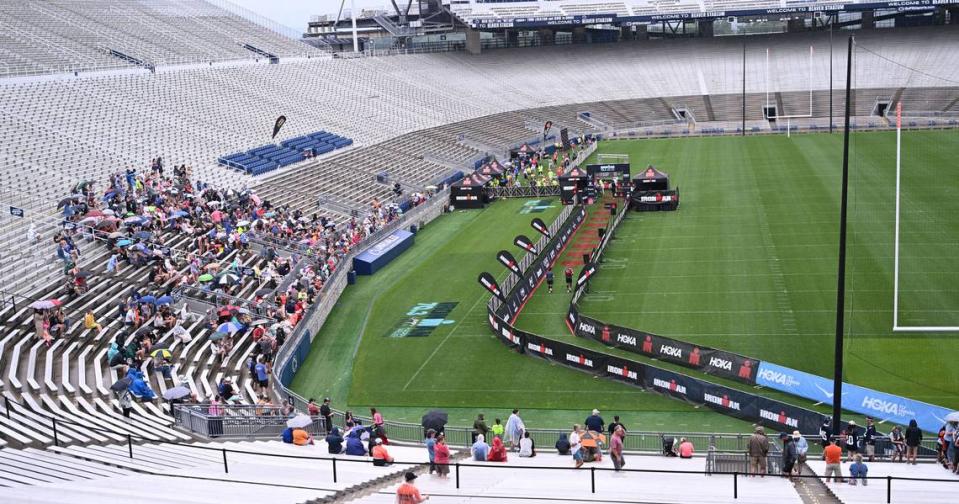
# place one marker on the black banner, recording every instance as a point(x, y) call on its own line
point(708, 360)
point(509, 261)
point(523, 242)
point(564, 136)
point(280, 121)
point(489, 283)
point(540, 227)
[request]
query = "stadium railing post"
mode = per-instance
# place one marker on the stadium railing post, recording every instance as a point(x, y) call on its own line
point(735, 485)
point(334, 469)
point(130, 444)
point(6, 402)
point(888, 489)
point(56, 439)
point(457, 475)
point(592, 478)
point(226, 467)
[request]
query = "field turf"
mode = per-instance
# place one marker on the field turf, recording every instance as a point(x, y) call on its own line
point(462, 367)
point(749, 261)
point(747, 264)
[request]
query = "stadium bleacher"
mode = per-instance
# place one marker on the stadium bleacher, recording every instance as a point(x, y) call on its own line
point(415, 118)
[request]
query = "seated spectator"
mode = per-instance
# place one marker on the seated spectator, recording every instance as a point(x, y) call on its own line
point(498, 451)
point(301, 437)
point(334, 441)
point(858, 470)
point(90, 322)
point(287, 435)
point(685, 448)
point(527, 448)
point(381, 457)
point(480, 450)
point(354, 446)
point(562, 444)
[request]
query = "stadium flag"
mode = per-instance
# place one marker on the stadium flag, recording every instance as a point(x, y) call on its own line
point(489, 283)
point(280, 121)
point(588, 271)
point(523, 242)
point(540, 226)
point(509, 261)
point(564, 135)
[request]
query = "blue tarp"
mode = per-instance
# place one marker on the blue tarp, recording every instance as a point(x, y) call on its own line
point(383, 252)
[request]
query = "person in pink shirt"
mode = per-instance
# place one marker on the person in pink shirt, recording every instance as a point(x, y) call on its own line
point(378, 426)
point(685, 448)
point(616, 448)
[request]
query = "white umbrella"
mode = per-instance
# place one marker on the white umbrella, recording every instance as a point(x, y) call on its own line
point(300, 420)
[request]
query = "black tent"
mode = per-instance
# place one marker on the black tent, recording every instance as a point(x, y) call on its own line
point(571, 183)
point(651, 179)
point(470, 192)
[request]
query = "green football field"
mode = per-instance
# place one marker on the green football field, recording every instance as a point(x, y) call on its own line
point(747, 264)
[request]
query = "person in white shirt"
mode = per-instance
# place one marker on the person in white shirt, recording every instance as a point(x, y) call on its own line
point(526, 446)
point(575, 446)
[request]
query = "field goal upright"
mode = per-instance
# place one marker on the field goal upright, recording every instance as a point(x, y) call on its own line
point(896, 327)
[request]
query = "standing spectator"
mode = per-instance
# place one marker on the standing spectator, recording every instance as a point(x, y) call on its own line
point(789, 454)
point(913, 439)
point(262, 375)
point(616, 447)
point(311, 408)
point(498, 451)
point(858, 471)
point(898, 443)
point(126, 402)
point(870, 439)
point(802, 447)
point(758, 449)
point(576, 446)
point(852, 440)
point(833, 455)
point(327, 414)
point(378, 425)
point(479, 427)
point(594, 422)
point(951, 437)
point(407, 493)
point(514, 429)
point(480, 450)
point(527, 448)
point(825, 431)
point(549, 280)
point(614, 424)
point(497, 428)
point(685, 448)
point(430, 443)
point(442, 456)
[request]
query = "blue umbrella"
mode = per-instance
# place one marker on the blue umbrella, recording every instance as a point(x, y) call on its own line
point(123, 243)
point(141, 247)
point(143, 235)
point(164, 300)
point(228, 327)
point(178, 213)
point(148, 299)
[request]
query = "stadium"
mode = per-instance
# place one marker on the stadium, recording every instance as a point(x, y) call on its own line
point(391, 253)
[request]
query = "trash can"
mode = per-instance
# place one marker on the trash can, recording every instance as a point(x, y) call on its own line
point(351, 277)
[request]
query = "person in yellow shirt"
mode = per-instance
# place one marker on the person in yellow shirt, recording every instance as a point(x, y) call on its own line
point(497, 428)
point(90, 322)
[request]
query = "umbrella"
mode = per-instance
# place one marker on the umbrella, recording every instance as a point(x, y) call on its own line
point(263, 292)
point(300, 420)
point(97, 213)
point(122, 384)
point(148, 299)
point(46, 304)
point(214, 203)
point(164, 300)
point(217, 336)
point(115, 234)
point(65, 201)
point(178, 392)
point(161, 353)
point(88, 221)
point(136, 219)
point(206, 277)
point(243, 311)
point(177, 214)
point(228, 327)
point(259, 322)
point(109, 212)
point(123, 243)
point(228, 278)
point(953, 417)
point(224, 312)
point(243, 223)
point(82, 274)
point(143, 235)
point(436, 420)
